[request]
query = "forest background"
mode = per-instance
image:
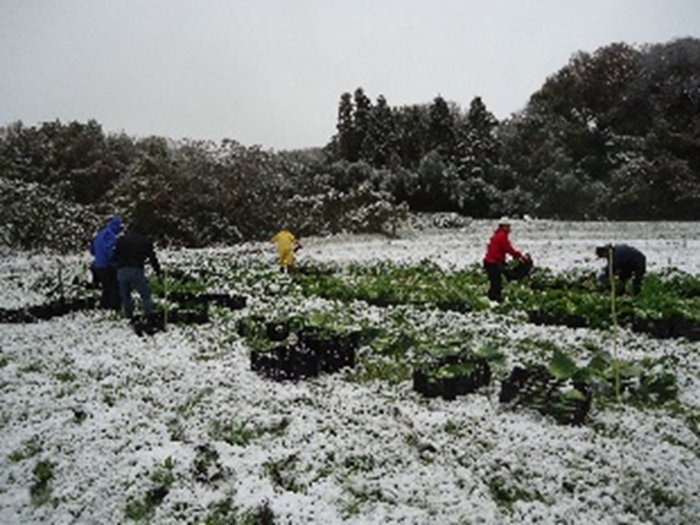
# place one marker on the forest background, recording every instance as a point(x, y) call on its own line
point(612, 135)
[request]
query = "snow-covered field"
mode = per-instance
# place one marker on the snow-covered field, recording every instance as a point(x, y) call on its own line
point(114, 414)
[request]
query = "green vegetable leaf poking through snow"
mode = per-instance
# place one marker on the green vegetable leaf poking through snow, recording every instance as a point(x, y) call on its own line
point(561, 366)
point(40, 490)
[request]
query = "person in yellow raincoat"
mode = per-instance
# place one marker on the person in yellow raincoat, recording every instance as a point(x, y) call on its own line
point(287, 244)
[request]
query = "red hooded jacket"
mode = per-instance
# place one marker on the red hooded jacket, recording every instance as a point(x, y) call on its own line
point(499, 246)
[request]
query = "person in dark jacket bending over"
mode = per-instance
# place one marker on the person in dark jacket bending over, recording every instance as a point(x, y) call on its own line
point(130, 254)
point(495, 258)
point(626, 262)
point(103, 267)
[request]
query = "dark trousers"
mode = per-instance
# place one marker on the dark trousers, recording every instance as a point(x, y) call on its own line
point(107, 278)
point(131, 277)
point(494, 272)
point(634, 271)
point(637, 276)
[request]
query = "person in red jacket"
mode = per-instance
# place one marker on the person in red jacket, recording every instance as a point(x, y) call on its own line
point(495, 259)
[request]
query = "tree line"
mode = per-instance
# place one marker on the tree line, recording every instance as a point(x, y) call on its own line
point(58, 182)
point(612, 135)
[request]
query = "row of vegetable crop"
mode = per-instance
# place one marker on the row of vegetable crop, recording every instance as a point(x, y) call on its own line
point(669, 294)
point(668, 306)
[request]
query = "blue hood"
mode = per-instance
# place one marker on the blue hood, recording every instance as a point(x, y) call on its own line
point(114, 224)
point(102, 247)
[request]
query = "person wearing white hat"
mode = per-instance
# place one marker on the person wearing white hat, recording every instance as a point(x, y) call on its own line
point(495, 259)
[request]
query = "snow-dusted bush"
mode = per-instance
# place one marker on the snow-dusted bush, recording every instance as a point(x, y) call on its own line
point(33, 216)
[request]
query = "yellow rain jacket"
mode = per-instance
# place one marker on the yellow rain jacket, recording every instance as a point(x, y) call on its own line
point(286, 243)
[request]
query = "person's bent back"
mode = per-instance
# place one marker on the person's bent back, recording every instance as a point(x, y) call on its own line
point(629, 259)
point(627, 262)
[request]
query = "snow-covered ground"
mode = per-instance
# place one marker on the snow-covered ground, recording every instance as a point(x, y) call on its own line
point(556, 245)
point(107, 409)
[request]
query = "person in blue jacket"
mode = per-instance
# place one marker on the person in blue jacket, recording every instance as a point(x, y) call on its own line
point(103, 264)
point(627, 262)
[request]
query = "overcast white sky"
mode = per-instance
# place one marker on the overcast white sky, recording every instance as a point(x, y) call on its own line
point(271, 72)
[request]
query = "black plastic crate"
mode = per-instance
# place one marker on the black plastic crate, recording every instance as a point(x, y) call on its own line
point(334, 351)
point(190, 316)
point(428, 382)
point(232, 302)
point(668, 327)
point(15, 316)
point(541, 317)
point(519, 270)
point(285, 362)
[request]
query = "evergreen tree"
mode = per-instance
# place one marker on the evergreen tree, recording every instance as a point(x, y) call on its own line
point(361, 119)
point(441, 130)
point(379, 146)
point(412, 125)
point(346, 143)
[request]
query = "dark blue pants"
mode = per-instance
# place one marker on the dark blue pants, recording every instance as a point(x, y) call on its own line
point(129, 278)
point(107, 278)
